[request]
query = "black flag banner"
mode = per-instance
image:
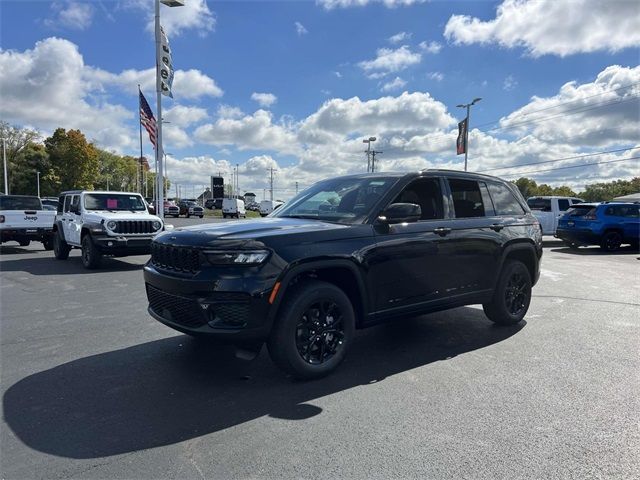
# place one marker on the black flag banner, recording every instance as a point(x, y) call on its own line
point(461, 142)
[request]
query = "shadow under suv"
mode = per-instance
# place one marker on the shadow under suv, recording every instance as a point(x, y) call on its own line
point(345, 254)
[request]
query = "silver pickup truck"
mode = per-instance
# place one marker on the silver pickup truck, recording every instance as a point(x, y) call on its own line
point(23, 219)
point(549, 209)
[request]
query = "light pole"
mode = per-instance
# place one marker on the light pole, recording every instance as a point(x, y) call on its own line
point(368, 151)
point(166, 169)
point(159, 149)
point(466, 139)
point(38, 182)
point(4, 156)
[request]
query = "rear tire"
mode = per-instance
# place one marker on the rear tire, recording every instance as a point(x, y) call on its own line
point(91, 256)
point(313, 331)
point(47, 243)
point(24, 243)
point(512, 295)
point(61, 248)
point(611, 241)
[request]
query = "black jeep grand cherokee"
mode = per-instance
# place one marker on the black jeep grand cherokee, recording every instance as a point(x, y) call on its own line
point(348, 253)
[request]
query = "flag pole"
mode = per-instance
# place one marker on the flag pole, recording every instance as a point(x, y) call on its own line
point(466, 140)
point(159, 171)
point(140, 168)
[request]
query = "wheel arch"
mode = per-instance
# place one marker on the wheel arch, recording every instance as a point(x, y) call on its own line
point(525, 252)
point(342, 273)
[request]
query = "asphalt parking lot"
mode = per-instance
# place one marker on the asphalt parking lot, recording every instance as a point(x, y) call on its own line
point(93, 387)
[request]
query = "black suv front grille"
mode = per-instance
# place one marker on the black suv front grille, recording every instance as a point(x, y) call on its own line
point(181, 310)
point(178, 259)
point(134, 226)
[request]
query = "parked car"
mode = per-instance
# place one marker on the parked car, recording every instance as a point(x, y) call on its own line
point(348, 253)
point(49, 201)
point(103, 223)
point(253, 207)
point(233, 207)
point(213, 204)
point(23, 219)
point(189, 208)
point(608, 224)
point(548, 210)
point(268, 206)
point(171, 209)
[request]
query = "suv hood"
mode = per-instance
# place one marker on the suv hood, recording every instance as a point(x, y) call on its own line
point(106, 215)
point(241, 234)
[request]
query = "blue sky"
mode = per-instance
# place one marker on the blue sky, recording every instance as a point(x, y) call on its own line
point(316, 61)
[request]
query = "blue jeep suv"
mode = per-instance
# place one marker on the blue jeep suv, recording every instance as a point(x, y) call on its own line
point(608, 224)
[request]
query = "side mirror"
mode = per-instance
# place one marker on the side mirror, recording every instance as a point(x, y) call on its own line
point(401, 213)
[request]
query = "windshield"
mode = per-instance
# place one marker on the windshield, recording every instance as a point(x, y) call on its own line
point(19, 203)
point(113, 201)
point(342, 200)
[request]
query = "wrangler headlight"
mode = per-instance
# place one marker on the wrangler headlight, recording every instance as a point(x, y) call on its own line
point(156, 225)
point(241, 257)
point(111, 225)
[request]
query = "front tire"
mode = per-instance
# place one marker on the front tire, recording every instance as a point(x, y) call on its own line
point(512, 295)
point(24, 243)
point(611, 241)
point(61, 248)
point(313, 331)
point(91, 256)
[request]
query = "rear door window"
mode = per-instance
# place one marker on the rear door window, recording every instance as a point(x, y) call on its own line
point(504, 200)
point(563, 204)
point(467, 198)
point(542, 204)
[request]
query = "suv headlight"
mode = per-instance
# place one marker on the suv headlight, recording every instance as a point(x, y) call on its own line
point(240, 257)
point(156, 225)
point(111, 225)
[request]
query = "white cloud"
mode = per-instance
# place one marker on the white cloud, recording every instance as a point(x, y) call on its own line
point(509, 83)
point(553, 27)
point(331, 4)
point(437, 76)
point(264, 99)
point(395, 84)
point(337, 74)
point(389, 60)
point(227, 111)
point(184, 116)
point(194, 16)
point(430, 47)
point(70, 14)
point(300, 30)
point(399, 37)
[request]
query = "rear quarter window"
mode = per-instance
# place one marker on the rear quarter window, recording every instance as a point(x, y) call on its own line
point(504, 201)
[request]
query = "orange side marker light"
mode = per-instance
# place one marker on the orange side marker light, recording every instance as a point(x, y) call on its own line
point(274, 292)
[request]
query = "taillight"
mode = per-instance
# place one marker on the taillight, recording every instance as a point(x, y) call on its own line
point(1, 218)
point(589, 217)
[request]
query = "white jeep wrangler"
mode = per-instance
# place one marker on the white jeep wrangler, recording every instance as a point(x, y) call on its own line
point(103, 223)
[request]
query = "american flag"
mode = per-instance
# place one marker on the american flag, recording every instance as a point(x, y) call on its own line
point(147, 119)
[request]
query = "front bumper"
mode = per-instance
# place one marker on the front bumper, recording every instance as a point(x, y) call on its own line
point(582, 236)
point(231, 305)
point(18, 234)
point(121, 245)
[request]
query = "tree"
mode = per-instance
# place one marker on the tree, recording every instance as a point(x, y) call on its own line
point(116, 172)
point(528, 188)
point(601, 192)
point(16, 140)
point(31, 159)
point(74, 161)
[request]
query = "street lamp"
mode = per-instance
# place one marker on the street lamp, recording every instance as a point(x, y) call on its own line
point(159, 150)
point(368, 151)
point(38, 182)
point(466, 140)
point(4, 156)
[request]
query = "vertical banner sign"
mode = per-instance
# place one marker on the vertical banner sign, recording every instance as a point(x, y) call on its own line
point(217, 187)
point(166, 65)
point(461, 142)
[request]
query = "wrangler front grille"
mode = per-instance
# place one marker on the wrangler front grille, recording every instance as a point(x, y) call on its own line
point(178, 259)
point(134, 227)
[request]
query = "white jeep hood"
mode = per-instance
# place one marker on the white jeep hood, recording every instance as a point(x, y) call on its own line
point(98, 215)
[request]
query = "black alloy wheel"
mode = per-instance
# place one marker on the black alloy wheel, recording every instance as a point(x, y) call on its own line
point(320, 332)
point(91, 256)
point(515, 295)
point(611, 241)
point(61, 248)
point(512, 294)
point(313, 329)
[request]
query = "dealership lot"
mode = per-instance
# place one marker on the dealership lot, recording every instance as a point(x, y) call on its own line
point(93, 387)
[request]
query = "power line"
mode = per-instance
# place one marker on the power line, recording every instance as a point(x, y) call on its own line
point(560, 159)
point(576, 166)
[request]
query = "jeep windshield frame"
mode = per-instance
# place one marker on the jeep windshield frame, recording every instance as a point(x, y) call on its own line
point(345, 200)
point(119, 202)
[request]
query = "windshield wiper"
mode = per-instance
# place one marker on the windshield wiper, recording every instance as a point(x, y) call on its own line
point(310, 217)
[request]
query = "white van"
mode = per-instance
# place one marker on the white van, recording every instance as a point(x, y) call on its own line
point(233, 207)
point(268, 206)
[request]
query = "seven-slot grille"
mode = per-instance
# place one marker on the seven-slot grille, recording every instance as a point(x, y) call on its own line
point(178, 259)
point(134, 226)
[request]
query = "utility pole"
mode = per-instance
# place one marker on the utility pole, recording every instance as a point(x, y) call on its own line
point(4, 156)
point(38, 182)
point(271, 170)
point(466, 139)
point(368, 152)
point(237, 180)
point(373, 159)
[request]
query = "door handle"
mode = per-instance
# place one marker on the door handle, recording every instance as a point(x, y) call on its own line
point(496, 227)
point(442, 231)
